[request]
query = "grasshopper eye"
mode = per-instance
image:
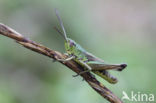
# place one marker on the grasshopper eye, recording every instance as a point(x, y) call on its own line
point(72, 44)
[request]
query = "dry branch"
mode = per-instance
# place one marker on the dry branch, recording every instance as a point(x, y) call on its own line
point(92, 81)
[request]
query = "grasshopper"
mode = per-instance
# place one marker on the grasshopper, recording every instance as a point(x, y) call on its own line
point(86, 59)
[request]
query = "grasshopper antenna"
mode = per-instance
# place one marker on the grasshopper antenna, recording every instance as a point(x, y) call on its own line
point(61, 23)
point(59, 32)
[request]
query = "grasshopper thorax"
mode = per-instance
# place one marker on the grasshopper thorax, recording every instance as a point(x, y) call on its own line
point(75, 49)
point(70, 46)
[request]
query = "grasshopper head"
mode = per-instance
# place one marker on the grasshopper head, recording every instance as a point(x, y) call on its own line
point(70, 46)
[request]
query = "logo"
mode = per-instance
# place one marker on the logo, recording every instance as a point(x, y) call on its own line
point(138, 97)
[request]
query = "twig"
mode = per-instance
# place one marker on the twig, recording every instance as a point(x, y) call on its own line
point(92, 81)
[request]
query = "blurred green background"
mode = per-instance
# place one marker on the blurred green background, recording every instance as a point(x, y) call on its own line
point(116, 31)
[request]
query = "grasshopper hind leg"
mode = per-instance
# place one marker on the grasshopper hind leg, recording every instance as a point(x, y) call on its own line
point(70, 57)
point(85, 71)
point(67, 59)
point(81, 73)
point(107, 76)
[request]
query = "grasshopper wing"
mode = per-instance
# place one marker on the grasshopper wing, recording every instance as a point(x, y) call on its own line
point(98, 64)
point(103, 66)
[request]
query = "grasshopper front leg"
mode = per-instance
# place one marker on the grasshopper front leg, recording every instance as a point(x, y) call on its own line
point(70, 57)
point(67, 59)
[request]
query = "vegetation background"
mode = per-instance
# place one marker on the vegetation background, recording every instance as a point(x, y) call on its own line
point(117, 31)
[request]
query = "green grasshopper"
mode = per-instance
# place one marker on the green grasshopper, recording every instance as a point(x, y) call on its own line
point(86, 59)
